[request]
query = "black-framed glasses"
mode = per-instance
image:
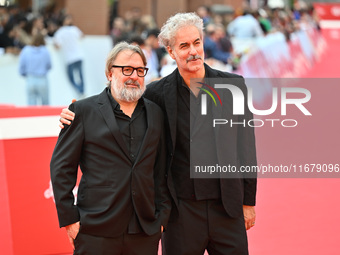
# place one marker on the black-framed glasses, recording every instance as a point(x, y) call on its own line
point(128, 70)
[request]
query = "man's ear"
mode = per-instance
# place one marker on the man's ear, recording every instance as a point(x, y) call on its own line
point(171, 53)
point(109, 76)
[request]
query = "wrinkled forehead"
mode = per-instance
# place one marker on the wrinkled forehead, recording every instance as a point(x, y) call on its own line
point(187, 34)
point(128, 54)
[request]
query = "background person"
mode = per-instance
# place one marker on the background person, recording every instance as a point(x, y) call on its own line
point(67, 39)
point(34, 64)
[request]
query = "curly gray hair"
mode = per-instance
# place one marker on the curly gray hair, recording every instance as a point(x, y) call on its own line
point(174, 23)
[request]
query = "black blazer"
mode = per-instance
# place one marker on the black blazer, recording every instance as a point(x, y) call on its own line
point(111, 188)
point(235, 146)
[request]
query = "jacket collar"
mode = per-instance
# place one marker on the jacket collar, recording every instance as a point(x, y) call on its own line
point(106, 110)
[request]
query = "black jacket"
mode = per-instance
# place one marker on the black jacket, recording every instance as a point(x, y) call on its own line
point(235, 145)
point(111, 188)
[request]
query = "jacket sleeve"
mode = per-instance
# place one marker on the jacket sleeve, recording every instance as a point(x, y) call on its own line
point(162, 194)
point(247, 153)
point(64, 169)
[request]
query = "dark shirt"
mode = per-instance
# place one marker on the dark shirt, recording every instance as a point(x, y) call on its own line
point(193, 147)
point(133, 130)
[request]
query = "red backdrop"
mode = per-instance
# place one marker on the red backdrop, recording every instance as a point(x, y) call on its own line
point(28, 218)
point(328, 11)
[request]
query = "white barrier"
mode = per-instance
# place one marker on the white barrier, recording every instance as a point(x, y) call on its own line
point(95, 48)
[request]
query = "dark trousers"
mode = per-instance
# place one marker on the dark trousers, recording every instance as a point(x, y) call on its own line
point(126, 244)
point(204, 225)
point(72, 69)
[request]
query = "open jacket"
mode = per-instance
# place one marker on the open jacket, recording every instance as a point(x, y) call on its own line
point(235, 145)
point(111, 188)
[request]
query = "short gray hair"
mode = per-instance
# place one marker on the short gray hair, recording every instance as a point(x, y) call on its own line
point(174, 23)
point(118, 49)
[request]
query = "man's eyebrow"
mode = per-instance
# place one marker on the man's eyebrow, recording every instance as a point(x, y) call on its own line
point(185, 43)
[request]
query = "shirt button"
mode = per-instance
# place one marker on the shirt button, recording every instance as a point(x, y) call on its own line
point(132, 155)
point(133, 192)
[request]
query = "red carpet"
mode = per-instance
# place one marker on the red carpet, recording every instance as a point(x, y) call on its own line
point(295, 216)
point(300, 216)
point(328, 65)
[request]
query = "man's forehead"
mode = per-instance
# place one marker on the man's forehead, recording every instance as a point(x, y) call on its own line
point(128, 54)
point(190, 34)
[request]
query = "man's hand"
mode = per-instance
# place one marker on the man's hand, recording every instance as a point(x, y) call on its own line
point(249, 216)
point(72, 232)
point(65, 116)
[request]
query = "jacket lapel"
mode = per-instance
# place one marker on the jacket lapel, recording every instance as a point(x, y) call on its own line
point(218, 112)
point(170, 101)
point(106, 110)
point(149, 131)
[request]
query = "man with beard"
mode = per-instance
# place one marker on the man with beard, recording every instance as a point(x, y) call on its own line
point(210, 214)
point(117, 140)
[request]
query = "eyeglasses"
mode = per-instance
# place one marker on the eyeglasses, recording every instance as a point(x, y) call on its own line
point(128, 70)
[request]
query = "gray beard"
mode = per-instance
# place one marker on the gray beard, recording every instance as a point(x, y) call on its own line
point(126, 94)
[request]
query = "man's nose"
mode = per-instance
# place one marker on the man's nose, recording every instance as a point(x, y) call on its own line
point(134, 75)
point(193, 50)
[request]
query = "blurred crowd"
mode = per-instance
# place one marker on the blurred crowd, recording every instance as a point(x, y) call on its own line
point(24, 33)
point(221, 30)
point(222, 27)
point(17, 26)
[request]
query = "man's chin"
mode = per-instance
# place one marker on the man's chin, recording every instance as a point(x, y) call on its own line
point(133, 100)
point(131, 97)
point(195, 66)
